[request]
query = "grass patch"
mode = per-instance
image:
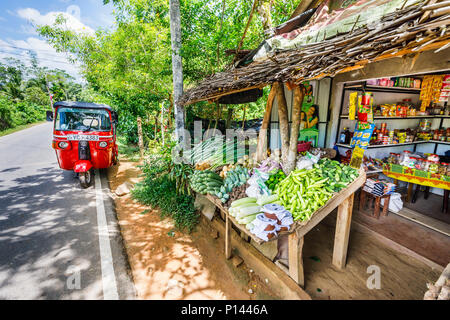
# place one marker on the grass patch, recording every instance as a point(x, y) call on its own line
point(19, 128)
point(130, 151)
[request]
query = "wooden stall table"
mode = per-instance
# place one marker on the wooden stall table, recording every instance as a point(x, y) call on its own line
point(342, 200)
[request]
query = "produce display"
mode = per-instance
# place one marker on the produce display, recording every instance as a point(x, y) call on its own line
point(245, 162)
point(206, 182)
point(234, 178)
point(264, 198)
point(339, 175)
point(303, 192)
point(236, 194)
point(261, 216)
point(275, 179)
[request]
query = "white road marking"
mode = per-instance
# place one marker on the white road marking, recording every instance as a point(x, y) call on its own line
point(108, 276)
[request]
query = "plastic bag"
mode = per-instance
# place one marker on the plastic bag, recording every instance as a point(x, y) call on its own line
point(395, 202)
point(304, 163)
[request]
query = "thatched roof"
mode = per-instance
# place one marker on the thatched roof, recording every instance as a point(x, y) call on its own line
point(409, 30)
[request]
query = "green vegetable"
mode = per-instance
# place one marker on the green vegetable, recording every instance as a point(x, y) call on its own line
point(243, 212)
point(239, 202)
point(267, 199)
point(247, 219)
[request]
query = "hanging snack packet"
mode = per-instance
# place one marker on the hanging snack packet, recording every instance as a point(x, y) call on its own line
point(362, 135)
point(352, 105)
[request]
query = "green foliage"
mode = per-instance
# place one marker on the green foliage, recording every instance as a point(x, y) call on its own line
point(24, 91)
point(131, 63)
point(163, 186)
point(16, 114)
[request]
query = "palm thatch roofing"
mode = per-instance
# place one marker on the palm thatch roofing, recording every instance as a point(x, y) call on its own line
point(412, 29)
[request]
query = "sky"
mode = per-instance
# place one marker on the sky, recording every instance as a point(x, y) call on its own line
point(18, 35)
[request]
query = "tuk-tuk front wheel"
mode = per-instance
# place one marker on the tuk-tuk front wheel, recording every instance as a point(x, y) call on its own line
point(85, 179)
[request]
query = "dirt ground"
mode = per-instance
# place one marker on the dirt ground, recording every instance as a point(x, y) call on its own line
point(167, 264)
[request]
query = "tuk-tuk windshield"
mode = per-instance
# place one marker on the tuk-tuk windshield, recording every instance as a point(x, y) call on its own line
point(82, 119)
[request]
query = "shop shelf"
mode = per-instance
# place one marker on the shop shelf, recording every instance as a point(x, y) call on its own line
point(359, 87)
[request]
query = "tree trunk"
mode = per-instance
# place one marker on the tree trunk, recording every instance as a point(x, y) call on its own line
point(261, 148)
point(296, 109)
point(229, 117)
point(284, 122)
point(177, 68)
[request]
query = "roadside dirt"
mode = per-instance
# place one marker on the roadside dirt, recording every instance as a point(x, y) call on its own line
point(168, 264)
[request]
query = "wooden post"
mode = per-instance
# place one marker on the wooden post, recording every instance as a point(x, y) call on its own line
point(295, 259)
point(229, 117)
point(227, 237)
point(344, 219)
point(284, 121)
point(295, 125)
point(141, 139)
point(261, 148)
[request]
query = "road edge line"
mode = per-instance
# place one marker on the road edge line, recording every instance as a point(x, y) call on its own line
point(106, 260)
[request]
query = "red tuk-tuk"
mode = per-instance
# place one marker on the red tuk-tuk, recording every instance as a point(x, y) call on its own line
point(84, 137)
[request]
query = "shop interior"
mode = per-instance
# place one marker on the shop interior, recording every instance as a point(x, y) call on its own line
point(411, 140)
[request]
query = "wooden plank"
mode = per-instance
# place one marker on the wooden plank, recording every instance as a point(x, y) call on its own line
point(344, 218)
point(227, 237)
point(332, 204)
point(280, 282)
point(424, 220)
point(396, 246)
point(296, 259)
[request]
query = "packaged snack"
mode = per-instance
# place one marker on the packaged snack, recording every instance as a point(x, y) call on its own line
point(352, 105)
point(361, 137)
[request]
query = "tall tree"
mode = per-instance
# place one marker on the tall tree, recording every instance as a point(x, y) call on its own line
point(177, 68)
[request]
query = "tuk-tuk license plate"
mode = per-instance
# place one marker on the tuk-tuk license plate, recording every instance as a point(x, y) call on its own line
point(82, 137)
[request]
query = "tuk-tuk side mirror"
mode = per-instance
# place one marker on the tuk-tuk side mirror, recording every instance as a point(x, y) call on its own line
point(49, 115)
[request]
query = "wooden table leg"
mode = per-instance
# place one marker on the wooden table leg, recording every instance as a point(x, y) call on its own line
point(415, 194)
point(427, 193)
point(296, 259)
point(344, 219)
point(376, 210)
point(227, 237)
point(362, 200)
point(410, 190)
point(387, 199)
point(445, 206)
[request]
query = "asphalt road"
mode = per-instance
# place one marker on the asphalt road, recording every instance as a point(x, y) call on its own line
point(49, 234)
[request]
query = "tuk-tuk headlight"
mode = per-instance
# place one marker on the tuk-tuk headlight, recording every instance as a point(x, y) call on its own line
point(63, 144)
point(103, 144)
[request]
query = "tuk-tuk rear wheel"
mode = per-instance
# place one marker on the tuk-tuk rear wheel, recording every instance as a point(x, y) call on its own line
point(85, 179)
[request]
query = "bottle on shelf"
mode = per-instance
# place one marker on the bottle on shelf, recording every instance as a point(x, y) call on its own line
point(344, 136)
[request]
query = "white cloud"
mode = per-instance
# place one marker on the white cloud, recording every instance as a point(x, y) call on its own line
point(46, 54)
point(37, 18)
